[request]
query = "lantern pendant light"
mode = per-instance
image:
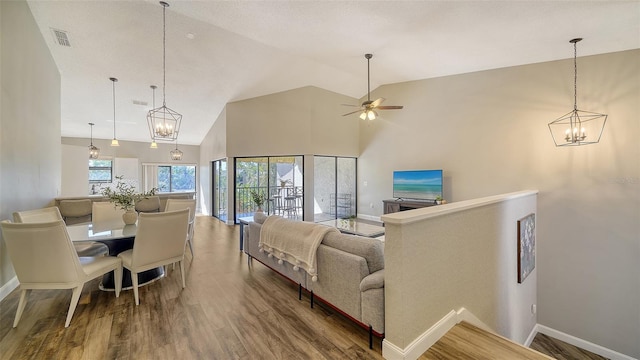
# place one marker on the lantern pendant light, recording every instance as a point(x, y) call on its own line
point(577, 127)
point(176, 154)
point(94, 152)
point(114, 142)
point(164, 123)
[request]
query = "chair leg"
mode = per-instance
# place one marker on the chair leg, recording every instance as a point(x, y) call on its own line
point(118, 279)
point(190, 247)
point(182, 273)
point(21, 305)
point(134, 282)
point(74, 302)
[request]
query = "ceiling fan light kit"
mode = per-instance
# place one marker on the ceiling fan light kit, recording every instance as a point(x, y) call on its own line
point(368, 108)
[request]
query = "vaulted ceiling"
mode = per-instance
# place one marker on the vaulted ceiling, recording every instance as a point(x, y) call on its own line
point(223, 51)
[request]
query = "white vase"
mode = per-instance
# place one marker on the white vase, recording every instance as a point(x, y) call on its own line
point(130, 217)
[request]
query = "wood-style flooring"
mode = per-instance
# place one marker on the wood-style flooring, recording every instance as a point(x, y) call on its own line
point(560, 350)
point(229, 310)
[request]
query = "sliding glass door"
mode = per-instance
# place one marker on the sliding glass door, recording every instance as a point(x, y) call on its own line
point(334, 188)
point(220, 189)
point(279, 178)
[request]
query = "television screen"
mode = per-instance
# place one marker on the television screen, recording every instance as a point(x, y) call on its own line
point(417, 184)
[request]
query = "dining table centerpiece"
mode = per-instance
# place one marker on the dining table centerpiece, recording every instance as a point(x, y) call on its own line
point(125, 196)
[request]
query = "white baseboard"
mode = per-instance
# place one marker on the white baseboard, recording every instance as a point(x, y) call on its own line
point(7, 288)
point(369, 217)
point(531, 336)
point(423, 342)
point(583, 344)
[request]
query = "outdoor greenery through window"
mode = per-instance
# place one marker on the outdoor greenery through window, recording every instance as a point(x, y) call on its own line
point(100, 171)
point(175, 178)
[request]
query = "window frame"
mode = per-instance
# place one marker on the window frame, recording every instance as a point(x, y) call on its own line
point(102, 168)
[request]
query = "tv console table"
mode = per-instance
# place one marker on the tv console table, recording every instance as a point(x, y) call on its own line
point(395, 205)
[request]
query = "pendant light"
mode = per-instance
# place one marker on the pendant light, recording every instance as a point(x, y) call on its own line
point(164, 123)
point(94, 152)
point(114, 142)
point(154, 144)
point(577, 127)
point(176, 154)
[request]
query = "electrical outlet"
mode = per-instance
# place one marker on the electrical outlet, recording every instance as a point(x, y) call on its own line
point(371, 205)
point(533, 309)
point(365, 183)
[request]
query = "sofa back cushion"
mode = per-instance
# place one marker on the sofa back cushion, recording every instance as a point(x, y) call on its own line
point(370, 249)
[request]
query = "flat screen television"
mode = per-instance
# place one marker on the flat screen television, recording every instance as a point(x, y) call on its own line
point(417, 184)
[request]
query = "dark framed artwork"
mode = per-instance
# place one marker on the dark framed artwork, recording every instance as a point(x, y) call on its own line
point(526, 246)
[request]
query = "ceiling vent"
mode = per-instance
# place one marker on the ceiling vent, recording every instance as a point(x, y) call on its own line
point(61, 37)
point(140, 102)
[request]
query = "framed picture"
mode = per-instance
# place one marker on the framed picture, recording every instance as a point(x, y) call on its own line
point(526, 246)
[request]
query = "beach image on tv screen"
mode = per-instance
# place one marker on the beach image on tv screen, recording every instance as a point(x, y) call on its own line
point(417, 184)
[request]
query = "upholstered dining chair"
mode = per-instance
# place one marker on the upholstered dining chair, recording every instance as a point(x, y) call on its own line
point(159, 242)
point(177, 204)
point(106, 214)
point(44, 258)
point(84, 249)
point(75, 211)
point(148, 204)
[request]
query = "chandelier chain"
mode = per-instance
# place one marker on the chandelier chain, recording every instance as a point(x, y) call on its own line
point(575, 76)
point(164, 52)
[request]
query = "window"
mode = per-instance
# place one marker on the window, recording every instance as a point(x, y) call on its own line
point(169, 178)
point(100, 171)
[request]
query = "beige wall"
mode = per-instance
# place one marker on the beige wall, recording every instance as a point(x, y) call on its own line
point(297, 122)
point(462, 254)
point(29, 119)
point(488, 131)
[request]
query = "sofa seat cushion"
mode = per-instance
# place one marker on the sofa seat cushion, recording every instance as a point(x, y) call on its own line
point(370, 249)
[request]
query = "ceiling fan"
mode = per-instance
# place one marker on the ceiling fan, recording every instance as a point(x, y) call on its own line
point(368, 108)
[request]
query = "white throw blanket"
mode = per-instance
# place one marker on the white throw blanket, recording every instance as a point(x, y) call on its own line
point(292, 241)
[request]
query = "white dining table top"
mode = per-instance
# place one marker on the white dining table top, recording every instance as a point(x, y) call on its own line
point(106, 231)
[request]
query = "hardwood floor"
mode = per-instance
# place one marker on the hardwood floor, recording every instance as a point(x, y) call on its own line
point(229, 310)
point(561, 350)
point(467, 342)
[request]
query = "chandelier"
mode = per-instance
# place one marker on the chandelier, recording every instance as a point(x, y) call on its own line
point(176, 154)
point(94, 152)
point(164, 123)
point(577, 127)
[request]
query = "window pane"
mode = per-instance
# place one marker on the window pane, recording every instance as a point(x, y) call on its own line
point(99, 163)
point(100, 175)
point(164, 178)
point(183, 178)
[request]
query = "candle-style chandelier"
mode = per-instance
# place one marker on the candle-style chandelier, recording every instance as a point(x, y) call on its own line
point(577, 127)
point(164, 123)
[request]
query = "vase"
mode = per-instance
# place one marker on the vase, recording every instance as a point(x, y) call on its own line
point(259, 216)
point(130, 217)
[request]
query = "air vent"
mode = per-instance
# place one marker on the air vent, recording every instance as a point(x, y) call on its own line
point(140, 102)
point(61, 37)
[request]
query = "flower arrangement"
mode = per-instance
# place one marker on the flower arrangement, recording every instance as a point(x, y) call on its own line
point(125, 195)
point(258, 197)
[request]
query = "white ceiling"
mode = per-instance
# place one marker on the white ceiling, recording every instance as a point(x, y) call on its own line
point(244, 49)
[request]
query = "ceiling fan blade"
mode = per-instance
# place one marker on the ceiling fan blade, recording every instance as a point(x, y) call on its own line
point(353, 112)
point(390, 107)
point(377, 102)
point(349, 105)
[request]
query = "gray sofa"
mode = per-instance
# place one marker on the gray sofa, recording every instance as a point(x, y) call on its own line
point(351, 274)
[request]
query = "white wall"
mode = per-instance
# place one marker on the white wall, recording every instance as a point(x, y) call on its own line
point(213, 147)
point(75, 170)
point(30, 149)
point(488, 131)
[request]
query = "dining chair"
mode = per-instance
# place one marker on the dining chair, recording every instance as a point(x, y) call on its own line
point(75, 211)
point(177, 204)
point(159, 241)
point(106, 214)
point(148, 204)
point(83, 249)
point(43, 258)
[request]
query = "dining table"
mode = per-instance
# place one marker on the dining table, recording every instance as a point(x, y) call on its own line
point(118, 237)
